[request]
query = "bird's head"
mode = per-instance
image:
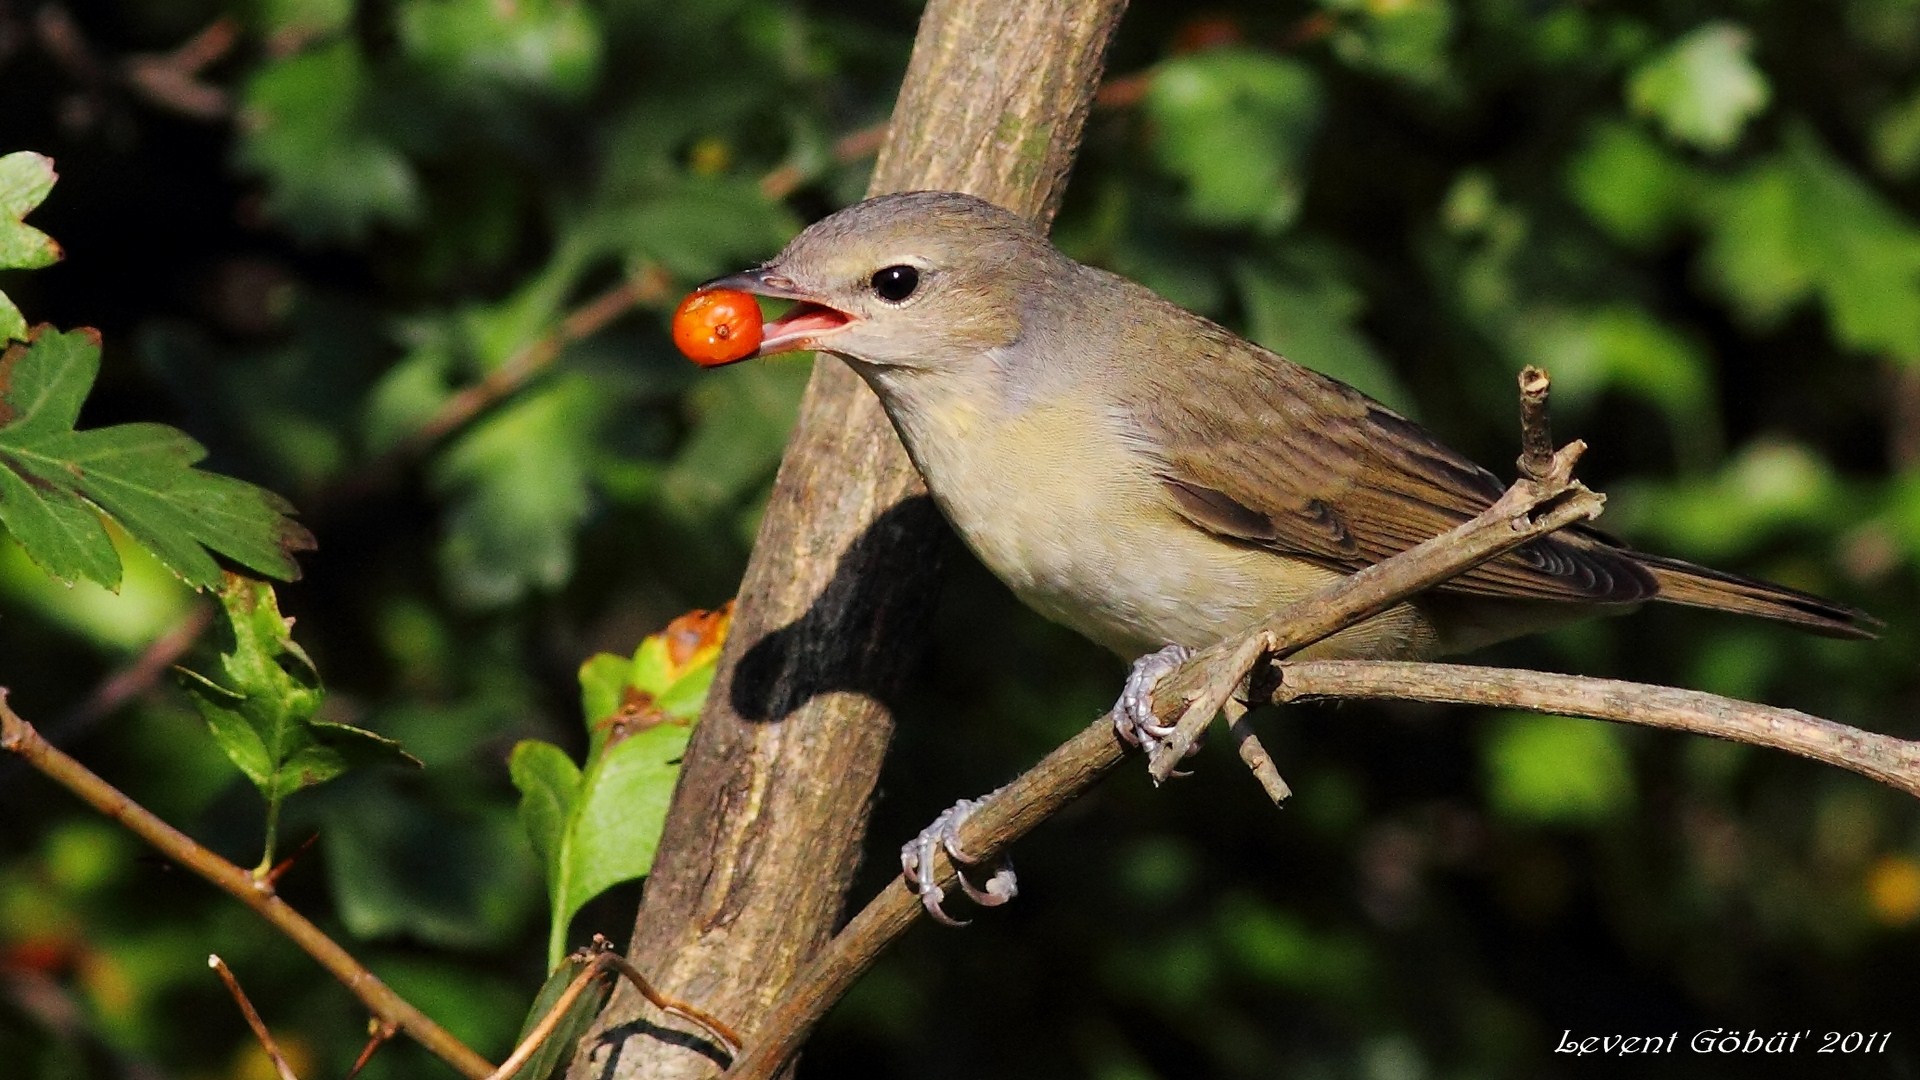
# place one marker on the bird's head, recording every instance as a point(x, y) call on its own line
point(918, 281)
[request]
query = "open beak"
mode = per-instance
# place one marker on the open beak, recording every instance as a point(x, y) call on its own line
point(805, 326)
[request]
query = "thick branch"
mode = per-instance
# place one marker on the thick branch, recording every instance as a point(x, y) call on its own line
point(767, 822)
point(1895, 762)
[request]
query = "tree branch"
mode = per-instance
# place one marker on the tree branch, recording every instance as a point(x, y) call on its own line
point(18, 737)
point(1895, 762)
point(252, 1016)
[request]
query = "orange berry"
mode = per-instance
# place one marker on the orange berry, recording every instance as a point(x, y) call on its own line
point(717, 326)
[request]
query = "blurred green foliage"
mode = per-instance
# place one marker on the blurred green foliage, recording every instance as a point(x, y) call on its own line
point(304, 240)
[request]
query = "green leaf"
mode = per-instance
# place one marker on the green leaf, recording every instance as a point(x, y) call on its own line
point(698, 224)
point(149, 602)
point(599, 826)
point(1769, 488)
point(13, 325)
point(401, 863)
point(1312, 322)
point(1407, 39)
point(55, 482)
point(603, 828)
point(260, 703)
point(1704, 88)
point(1558, 770)
point(549, 786)
point(1802, 224)
point(1277, 946)
point(740, 420)
point(302, 20)
point(560, 1043)
point(550, 46)
point(1896, 138)
point(25, 180)
point(621, 810)
point(1636, 189)
point(518, 483)
point(1235, 125)
point(310, 128)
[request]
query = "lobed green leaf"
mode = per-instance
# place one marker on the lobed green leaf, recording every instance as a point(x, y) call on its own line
point(56, 482)
point(260, 702)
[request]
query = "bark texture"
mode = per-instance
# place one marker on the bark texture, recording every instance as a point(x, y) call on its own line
point(767, 824)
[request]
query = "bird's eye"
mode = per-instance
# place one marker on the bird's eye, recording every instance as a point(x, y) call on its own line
point(895, 283)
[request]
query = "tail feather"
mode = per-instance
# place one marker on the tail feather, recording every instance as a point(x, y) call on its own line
point(1699, 586)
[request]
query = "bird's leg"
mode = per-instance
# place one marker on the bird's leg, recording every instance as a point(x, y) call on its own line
point(1224, 678)
point(1133, 718)
point(916, 861)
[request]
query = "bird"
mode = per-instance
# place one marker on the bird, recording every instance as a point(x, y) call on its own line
point(1155, 482)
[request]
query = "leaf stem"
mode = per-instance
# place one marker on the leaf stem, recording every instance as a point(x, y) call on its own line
point(273, 830)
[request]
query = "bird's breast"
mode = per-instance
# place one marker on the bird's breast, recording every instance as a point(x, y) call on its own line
point(1057, 504)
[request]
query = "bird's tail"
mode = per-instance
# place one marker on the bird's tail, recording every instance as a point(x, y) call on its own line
point(1699, 586)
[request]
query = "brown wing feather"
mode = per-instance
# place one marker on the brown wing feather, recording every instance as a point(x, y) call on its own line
point(1254, 447)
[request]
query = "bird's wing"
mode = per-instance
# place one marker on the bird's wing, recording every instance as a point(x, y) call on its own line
point(1255, 448)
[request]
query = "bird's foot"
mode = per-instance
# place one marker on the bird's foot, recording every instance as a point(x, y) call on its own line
point(1133, 718)
point(916, 861)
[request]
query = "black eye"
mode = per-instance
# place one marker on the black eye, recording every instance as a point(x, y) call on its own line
point(895, 283)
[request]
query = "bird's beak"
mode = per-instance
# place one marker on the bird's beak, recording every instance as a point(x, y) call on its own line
point(805, 326)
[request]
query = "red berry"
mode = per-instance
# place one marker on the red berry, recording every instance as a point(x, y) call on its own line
point(717, 326)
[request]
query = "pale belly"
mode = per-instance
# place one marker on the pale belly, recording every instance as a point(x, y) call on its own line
point(1081, 532)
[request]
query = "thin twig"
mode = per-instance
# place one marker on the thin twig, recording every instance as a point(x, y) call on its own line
point(271, 879)
point(18, 737)
point(1536, 426)
point(1077, 764)
point(381, 1033)
point(722, 1032)
point(137, 677)
point(648, 285)
point(1894, 762)
point(252, 1015)
point(594, 968)
point(775, 185)
point(171, 80)
point(785, 179)
point(596, 961)
point(1254, 756)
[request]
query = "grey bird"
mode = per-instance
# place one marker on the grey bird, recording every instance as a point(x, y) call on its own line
point(1154, 481)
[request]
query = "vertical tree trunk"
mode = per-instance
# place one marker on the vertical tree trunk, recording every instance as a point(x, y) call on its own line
point(766, 827)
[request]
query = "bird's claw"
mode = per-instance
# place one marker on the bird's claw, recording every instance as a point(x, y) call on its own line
point(1133, 718)
point(917, 862)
